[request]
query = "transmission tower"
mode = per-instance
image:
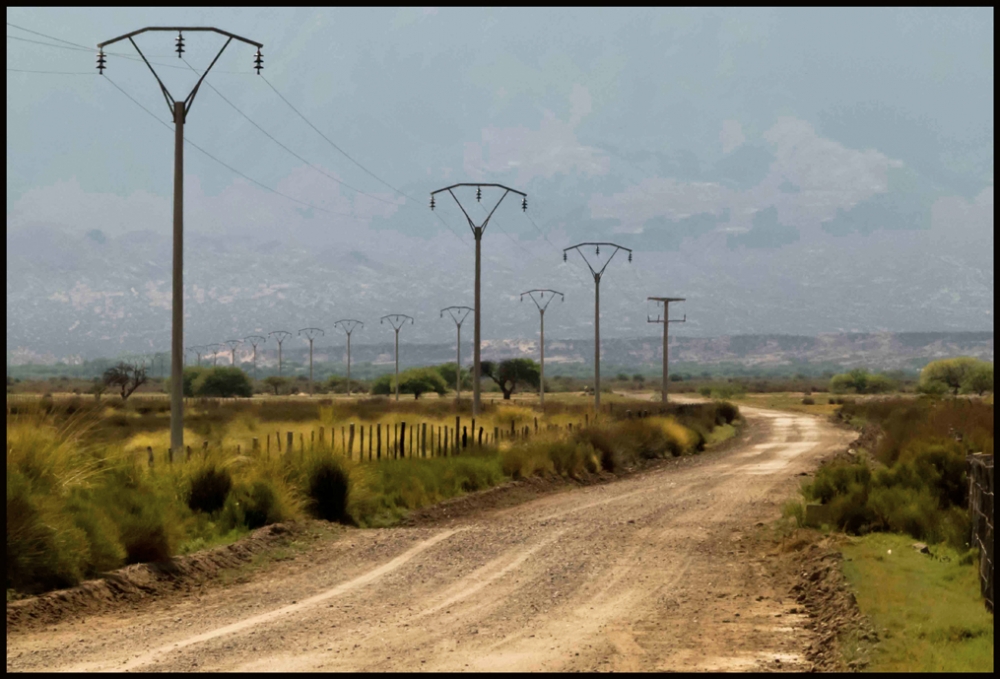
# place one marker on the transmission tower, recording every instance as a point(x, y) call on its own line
point(215, 352)
point(280, 336)
point(197, 349)
point(477, 232)
point(542, 305)
point(458, 314)
point(178, 111)
point(666, 321)
point(232, 349)
point(255, 340)
point(597, 304)
point(311, 334)
point(348, 325)
point(396, 321)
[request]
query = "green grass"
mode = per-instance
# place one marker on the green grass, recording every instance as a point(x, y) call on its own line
point(720, 434)
point(927, 608)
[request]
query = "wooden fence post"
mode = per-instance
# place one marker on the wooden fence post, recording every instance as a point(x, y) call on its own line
point(256, 445)
point(410, 445)
point(378, 445)
point(312, 440)
point(302, 446)
point(446, 441)
point(321, 441)
point(402, 440)
point(361, 447)
point(289, 442)
point(269, 446)
point(465, 438)
point(149, 454)
point(395, 440)
point(480, 437)
point(496, 434)
point(423, 439)
point(350, 441)
point(204, 450)
point(188, 450)
point(536, 424)
point(277, 440)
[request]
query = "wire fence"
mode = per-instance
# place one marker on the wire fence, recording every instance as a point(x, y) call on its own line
point(981, 505)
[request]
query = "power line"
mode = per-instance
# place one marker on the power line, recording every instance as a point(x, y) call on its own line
point(271, 137)
point(22, 70)
point(342, 151)
point(225, 165)
point(84, 48)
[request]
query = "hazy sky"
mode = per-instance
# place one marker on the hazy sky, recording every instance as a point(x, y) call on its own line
point(720, 144)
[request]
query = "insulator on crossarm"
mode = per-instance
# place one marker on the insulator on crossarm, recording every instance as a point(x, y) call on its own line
point(479, 194)
point(630, 257)
point(180, 44)
point(564, 257)
point(101, 61)
point(524, 204)
point(598, 250)
point(258, 61)
point(432, 202)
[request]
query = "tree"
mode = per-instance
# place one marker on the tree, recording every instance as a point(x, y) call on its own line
point(447, 372)
point(125, 376)
point(979, 380)
point(860, 381)
point(512, 372)
point(948, 372)
point(416, 381)
point(223, 382)
point(276, 383)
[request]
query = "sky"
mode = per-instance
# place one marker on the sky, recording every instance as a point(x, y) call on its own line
point(786, 170)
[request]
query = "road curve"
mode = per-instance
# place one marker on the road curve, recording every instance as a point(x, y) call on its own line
point(650, 572)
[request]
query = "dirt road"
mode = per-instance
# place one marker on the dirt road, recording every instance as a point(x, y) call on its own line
point(646, 573)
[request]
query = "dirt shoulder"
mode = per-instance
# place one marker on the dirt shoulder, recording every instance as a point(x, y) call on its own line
point(654, 571)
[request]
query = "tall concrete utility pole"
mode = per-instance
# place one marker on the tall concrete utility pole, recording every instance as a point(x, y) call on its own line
point(597, 305)
point(477, 232)
point(311, 334)
point(232, 349)
point(254, 341)
point(458, 314)
point(396, 321)
point(542, 304)
point(348, 325)
point(665, 301)
point(178, 111)
point(215, 352)
point(280, 336)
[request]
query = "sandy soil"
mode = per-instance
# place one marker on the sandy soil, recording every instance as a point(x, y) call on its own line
point(650, 572)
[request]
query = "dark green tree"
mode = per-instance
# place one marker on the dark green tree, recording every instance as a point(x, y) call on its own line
point(511, 373)
point(223, 382)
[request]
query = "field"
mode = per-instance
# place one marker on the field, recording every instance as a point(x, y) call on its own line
point(91, 486)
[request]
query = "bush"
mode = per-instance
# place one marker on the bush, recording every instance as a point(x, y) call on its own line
point(328, 487)
point(210, 486)
point(808, 401)
point(949, 374)
point(223, 382)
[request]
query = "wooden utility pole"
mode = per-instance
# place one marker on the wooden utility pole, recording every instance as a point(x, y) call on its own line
point(665, 301)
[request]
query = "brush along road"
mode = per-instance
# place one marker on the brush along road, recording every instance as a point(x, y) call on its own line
point(653, 571)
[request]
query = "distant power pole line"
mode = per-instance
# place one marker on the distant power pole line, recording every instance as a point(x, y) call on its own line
point(255, 340)
point(477, 232)
point(541, 344)
point(197, 349)
point(280, 336)
point(311, 334)
point(665, 301)
point(597, 305)
point(232, 349)
point(215, 352)
point(458, 314)
point(348, 325)
point(178, 111)
point(396, 321)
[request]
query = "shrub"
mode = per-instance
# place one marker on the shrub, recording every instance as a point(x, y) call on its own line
point(949, 374)
point(210, 486)
point(223, 382)
point(808, 401)
point(328, 487)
